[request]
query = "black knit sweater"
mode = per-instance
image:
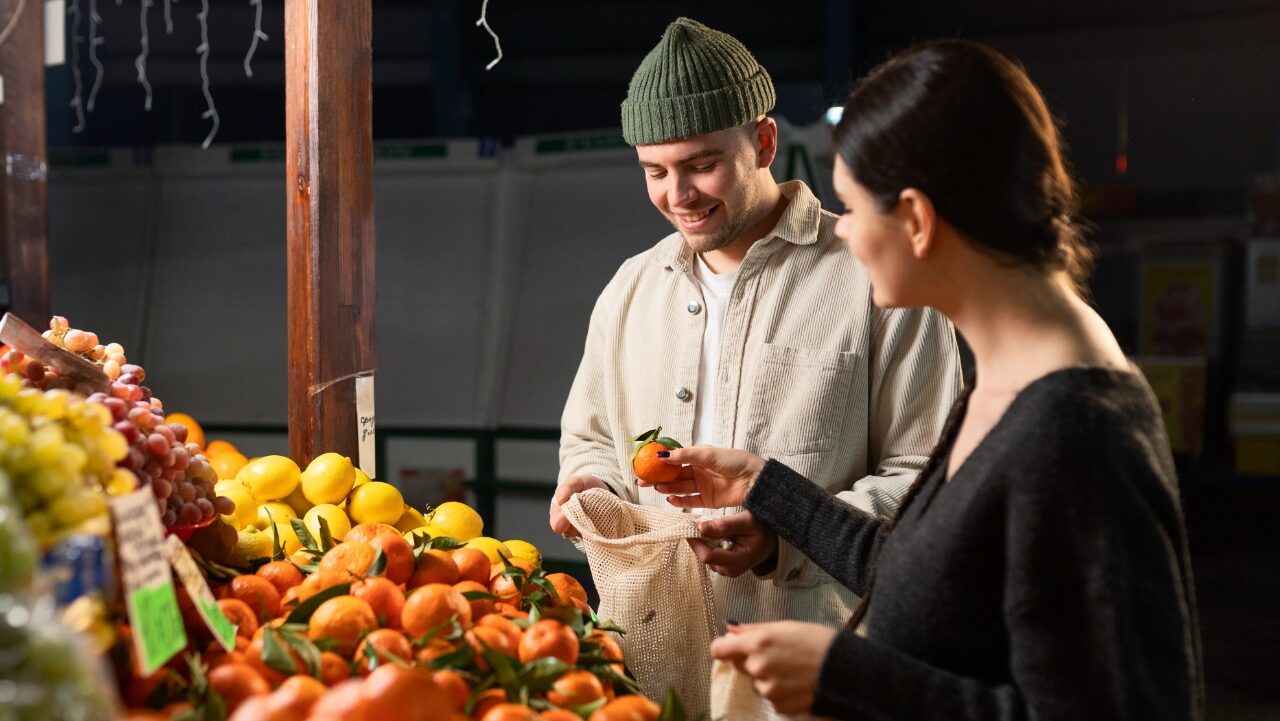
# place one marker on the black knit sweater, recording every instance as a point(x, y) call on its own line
point(1049, 579)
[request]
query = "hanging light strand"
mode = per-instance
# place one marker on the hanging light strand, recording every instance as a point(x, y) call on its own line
point(141, 61)
point(168, 17)
point(212, 112)
point(77, 100)
point(484, 23)
point(257, 35)
point(95, 41)
point(13, 21)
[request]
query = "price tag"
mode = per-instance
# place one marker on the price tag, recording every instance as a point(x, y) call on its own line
point(149, 596)
point(198, 590)
point(366, 425)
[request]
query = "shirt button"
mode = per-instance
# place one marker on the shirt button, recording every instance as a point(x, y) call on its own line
point(683, 394)
point(694, 307)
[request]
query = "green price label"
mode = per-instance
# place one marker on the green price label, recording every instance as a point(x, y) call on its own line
point(157, 625)
point(218, 623)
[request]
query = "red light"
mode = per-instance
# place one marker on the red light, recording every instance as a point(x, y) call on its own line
point(1122, 163)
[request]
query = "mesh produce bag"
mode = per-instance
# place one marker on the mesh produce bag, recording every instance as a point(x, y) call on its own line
point(651, 585)
point(733, 697)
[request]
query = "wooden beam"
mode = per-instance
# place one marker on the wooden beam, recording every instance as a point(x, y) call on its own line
point(329, 137)
point(24, 254)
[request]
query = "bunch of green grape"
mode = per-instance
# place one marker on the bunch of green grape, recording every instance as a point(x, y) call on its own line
point(60, 453)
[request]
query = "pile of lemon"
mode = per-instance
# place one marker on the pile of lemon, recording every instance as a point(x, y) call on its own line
point(269, 491)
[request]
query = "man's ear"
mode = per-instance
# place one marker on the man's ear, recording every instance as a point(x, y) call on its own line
point(766, 141)
point(920, 221)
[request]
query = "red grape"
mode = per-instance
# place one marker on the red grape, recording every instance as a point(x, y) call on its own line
point(128, 430)
point(158, 445)
point(166, 430)
point(206, 508)
point(190, 513)
point(161, 488)
point(224, 505)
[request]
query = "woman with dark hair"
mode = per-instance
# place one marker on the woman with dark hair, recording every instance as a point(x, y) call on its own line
point(1038, 568)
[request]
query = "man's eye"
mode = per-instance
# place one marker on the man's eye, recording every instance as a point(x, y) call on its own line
point(657, 176)
point(703, 168)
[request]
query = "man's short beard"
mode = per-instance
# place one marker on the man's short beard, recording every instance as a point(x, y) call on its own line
point(725, 237)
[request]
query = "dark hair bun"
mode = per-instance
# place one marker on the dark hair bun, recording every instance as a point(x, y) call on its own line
point(965, 125)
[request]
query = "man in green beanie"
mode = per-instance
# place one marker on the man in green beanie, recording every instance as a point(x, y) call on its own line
point(749, 327)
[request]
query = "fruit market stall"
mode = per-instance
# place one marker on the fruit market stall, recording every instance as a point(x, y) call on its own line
point(162, 574)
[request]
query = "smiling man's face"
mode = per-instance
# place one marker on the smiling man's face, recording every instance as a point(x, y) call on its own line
point(707, 186)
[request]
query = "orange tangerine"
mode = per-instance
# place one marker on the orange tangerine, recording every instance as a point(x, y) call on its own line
point(343, 619)
point(432, 606)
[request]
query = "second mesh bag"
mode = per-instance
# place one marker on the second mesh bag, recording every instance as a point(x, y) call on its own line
point(652, 586)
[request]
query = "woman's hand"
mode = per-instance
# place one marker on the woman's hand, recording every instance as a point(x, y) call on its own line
point(750, 544)
point(712, 477)
point(783, 659)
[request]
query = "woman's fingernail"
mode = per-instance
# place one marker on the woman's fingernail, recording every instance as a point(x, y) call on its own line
point(664, 454)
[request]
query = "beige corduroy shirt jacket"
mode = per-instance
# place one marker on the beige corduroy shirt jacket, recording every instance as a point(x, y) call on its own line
point(811, 373)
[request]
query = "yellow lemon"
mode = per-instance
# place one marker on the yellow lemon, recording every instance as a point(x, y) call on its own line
point(375, 502)
point(457, 520)
point(411, 518)
point(361, 478)
point(270, 478)
point(221, 486)
point(412, 535)
point(273, 512)
point(525, 550)
point(246, 508)
point(328, 478)
point(250, 545)
point(288, 537)
point(334, 518)
point(298, 502)
point(491, 548)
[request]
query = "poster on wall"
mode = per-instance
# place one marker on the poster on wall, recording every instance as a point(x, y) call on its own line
point(1180, 386)
point(1181, 300)
point(1262, 296)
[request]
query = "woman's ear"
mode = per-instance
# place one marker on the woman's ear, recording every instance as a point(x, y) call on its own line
point(920, 221)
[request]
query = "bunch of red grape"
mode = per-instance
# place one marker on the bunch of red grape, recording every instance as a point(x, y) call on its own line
point(179, 475)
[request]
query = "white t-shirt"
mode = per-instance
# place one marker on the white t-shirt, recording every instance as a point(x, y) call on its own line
point(715, 295)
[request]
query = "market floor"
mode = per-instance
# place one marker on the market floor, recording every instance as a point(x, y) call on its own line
point(1235, 555)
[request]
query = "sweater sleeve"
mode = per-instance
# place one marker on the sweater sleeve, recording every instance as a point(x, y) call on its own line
point(840, 539)
point(913, 383)
point(1096, 602)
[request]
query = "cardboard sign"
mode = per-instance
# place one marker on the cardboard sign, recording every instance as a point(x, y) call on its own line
point(148, 587)
point(366, 425)
point(198, 590)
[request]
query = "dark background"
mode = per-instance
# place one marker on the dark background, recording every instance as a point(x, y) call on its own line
point(1184, 90)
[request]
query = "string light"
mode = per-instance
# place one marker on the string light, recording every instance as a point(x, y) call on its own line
point(484, 23)
point(94, 41)
point(212, 112)
point(76, 101)
point(257, 35)
point(168, 18)
point(13, 21)
point(141, 62)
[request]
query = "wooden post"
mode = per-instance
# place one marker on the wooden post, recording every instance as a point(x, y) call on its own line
point(24, 254)
point(329, 139)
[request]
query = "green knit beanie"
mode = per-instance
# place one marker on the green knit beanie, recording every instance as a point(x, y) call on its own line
point(697, 80)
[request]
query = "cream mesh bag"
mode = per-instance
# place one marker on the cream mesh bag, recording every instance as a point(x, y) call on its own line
point(651, 585)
